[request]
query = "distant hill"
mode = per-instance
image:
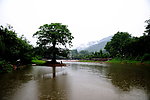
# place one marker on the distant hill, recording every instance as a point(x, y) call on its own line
point(96, 46)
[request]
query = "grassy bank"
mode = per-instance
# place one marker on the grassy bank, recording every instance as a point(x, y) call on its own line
point(38, 61)
point(127, 61)
point(119, 61)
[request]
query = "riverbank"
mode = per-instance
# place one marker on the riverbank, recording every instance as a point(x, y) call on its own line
point(118, 61)
point(109, 61)
point(127, 61)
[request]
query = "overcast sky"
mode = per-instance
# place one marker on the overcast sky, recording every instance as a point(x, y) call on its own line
point(88, 20)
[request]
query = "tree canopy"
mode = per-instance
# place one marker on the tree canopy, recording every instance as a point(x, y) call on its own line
point(13, 47)
point(118, 43)
point(127, 47)
point(54, 35)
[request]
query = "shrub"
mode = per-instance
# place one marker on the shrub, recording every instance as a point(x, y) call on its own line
point(36, 57)
point(146, 57)
point(5, 67)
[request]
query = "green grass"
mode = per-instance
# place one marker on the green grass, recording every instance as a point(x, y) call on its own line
point(132, 61)
point(114, 61)
point(127, 61)
point(38, 61)
point(119, 61)
point(123, 61)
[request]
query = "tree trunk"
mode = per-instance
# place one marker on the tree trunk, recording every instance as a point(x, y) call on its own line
point(54, 53)
point(54, 72)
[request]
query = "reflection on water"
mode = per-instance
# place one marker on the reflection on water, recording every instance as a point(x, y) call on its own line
point(9, 83)
point(79, 81)
point(127, 77)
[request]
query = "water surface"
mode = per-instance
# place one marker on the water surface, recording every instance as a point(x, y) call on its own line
point(78, 81)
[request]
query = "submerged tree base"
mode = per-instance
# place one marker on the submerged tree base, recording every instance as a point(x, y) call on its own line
point(54, 64)
point(47, 63)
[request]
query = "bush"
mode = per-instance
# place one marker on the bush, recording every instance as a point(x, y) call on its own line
point(146, 57)
point(5, 67)
point(36, 57)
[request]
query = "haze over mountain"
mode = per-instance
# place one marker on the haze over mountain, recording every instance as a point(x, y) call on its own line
point(95, 45)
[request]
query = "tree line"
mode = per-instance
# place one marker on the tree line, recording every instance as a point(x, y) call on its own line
point(13, 49)
point(16, 51)
point(84, 54)
point(53, 40)
point(123, 46)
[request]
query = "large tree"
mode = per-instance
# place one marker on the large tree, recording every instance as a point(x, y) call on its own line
point(118, 43)
point(53, 35)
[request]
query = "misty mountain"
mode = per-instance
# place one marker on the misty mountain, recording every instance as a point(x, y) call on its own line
point(97, 45)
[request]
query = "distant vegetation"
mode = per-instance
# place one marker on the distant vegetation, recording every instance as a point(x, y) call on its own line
point(122, 46)
point(84, 54)
point(16, 51)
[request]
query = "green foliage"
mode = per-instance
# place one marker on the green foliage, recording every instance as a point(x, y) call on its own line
point(146, 62)
point(5, 67)
point(146, 57)
point(36, 57)
point(118, 43)
point(8, 40)
point(88, 55)
point(117, 60)
point(42, 52)
point(63, 53)
point(52, 35)
point(12, 47)
point(74, 54)
point(38, 61)
point(139, 46)
point(83, 52)
point(123, 46)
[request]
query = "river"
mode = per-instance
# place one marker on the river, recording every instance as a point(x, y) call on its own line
point(78, 81)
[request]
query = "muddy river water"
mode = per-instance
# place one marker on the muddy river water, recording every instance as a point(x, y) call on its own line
point(78, 81)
